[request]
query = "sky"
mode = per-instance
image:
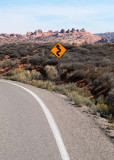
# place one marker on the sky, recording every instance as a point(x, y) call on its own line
point(21, 16)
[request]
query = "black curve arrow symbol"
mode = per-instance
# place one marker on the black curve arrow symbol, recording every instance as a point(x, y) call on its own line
point(59, 50)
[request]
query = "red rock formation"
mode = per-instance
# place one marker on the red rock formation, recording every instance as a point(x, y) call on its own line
point(38, 32)
point(68, 31)
point(73, 36)
point(83, 30)
point(62, 31)
point(29, 33)
point(73, 30)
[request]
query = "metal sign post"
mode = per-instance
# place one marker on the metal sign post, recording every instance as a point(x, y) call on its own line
point(58, 50)
point(59, 70)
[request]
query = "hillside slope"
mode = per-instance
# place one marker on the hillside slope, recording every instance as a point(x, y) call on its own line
point(87, 71)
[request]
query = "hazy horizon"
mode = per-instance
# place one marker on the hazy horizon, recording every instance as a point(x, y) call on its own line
point(21, 16)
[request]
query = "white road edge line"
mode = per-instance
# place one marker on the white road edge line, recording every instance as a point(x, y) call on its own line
point(55, 130)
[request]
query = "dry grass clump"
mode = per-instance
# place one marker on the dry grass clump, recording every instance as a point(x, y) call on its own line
point(80, 100)
point(43, 84)
point(52, 73)
point(23, 75)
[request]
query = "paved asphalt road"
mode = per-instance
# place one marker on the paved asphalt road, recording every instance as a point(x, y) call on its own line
point(25, 133)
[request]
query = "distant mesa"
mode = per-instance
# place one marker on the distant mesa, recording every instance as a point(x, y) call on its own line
point(40, 32)
point(64, 36)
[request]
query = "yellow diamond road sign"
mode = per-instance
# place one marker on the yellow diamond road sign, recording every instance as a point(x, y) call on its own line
point(58, 50)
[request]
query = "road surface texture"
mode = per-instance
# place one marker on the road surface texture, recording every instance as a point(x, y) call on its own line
point(25, 133)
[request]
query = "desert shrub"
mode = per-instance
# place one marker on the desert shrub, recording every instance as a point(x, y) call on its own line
point(73, 67)
point(28, 67)
point(60, 89)
point(110, 127)
point(77, 75)
point(110, 118)
point(105, 62)
point(9, 74)
point(1, 64)
point(35, 75)
point(110, 98)
point(81, 50)
point(23, 53)
point(50, 62)
point(106, 80)
point(20, 75)
point(52, 73)
point(35, 60)
point(23, 75)
point(101, 99)
point(102, 109)
point(80, 100)
point(24, 61)
point(93, 75)
point(7, 62)
point(70, 86)
point(85, 92)
point(110, 101)
point(14, 55)
point(43, 84)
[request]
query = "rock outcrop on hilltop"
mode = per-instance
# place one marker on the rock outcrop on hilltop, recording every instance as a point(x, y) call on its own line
point(103, 40)
point(108, 35)
point(73, 30)
point(62, 31)
point(68, 31)
point(69, 36)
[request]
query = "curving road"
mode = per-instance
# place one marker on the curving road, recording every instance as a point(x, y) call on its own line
point(36, 124)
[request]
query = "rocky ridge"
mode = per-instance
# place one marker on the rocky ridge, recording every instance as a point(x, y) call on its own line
point(109, 36)
point(69, 36)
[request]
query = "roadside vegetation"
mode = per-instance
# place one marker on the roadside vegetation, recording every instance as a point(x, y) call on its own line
point(87, 72)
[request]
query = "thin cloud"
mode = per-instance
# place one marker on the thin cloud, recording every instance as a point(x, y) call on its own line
point(22, 19)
